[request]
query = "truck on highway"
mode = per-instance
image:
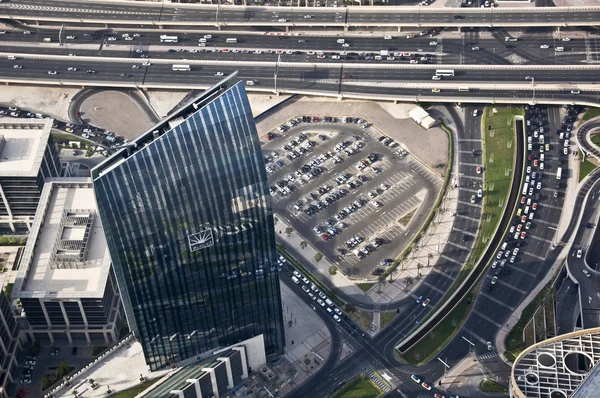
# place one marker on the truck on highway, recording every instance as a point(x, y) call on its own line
point(558, 173)
point(47, 40)
point(384, 53)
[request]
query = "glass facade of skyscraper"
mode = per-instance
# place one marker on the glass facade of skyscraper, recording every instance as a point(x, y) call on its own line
point(186, 213)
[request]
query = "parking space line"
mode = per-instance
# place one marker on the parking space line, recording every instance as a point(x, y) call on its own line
point(470, 164)
point(551, 224)
point(495, 300)
point(469, 190)
point(469, 204)
point(442, 273)
point(469, 140)
point(540, 239)
point(429, 285)
point(468, 177)
point(551, 206)
point(481, 340)
point(467, 218)
point(465, 232)
point(451, 260)
point(459, 246)
point(516, 268)
point(533, 255)
point(508, 285)
point(487, 318)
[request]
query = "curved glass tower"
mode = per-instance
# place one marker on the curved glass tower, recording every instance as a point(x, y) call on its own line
point(187, 216)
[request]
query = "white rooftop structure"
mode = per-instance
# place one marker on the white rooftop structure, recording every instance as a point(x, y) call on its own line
point(22, 145)
point(418, 114)
point(66, 254)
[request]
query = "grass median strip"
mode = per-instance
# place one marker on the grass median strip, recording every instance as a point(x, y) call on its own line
point(585, 168)
point(498, 139)
point(357, 388)
point(444, 331)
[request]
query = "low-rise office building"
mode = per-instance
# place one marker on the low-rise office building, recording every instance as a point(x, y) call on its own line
point(9, 343)
point(65, 287)
point(28, 157)
point(212, 376)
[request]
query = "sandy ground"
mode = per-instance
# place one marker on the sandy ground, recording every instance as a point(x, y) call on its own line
point(105, 107)
point(52, 101)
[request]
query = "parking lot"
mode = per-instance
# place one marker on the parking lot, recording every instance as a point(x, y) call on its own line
point(353, 193)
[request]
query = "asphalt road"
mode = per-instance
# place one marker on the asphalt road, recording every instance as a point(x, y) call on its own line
point(448, 50)
point(259, 16)
point(379, 351)
point(584, 238)
point(535, 257)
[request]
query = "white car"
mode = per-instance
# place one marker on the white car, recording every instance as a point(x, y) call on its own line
point(433, 43)
point(565, 39)
point(337, 318)
point(387, 37)
point(586, 273)
point(476, 112)
point(544, 46)
point(70, 37)
point(72, 69)
point(146, 63)
point(282, 20)
point(219, 74)
point(579, 253)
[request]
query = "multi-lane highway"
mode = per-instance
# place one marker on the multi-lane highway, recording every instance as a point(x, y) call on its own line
point(201, 15)
point(535, 47)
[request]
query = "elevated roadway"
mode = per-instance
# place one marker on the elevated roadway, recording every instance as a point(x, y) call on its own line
point(166, 14)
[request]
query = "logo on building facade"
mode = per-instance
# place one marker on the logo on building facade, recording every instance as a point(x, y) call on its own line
point(201, 240)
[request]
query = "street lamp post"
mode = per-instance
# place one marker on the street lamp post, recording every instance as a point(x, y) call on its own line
point(532, 87)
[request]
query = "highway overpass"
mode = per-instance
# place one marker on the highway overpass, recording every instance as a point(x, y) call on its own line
point(188, 15)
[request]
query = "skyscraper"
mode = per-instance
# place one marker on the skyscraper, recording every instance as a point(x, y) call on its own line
point(186, 213)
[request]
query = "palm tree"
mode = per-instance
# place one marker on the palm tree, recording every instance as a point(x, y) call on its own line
point(380, 282)
point(409, 281)
point(393, 273)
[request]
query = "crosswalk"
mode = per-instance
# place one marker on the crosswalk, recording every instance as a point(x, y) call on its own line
point(487, 355)
point(375, 379)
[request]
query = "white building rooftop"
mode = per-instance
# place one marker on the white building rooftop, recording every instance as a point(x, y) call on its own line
point(66, 254)
point(22, 145)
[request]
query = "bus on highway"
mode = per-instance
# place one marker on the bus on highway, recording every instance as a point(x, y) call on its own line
point(444, 72)
point(525, 187)
point(168, 39)
point(559, 173)
point(185, 68)
point(231, 40)
point(464, 89)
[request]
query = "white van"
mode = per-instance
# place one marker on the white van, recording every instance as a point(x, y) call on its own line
point(250, 83)
point(231, 40)
point(559, 49)
point(202, 40)
point(328, 302)
point(12, 57)
point(296, 281)
point(504, 245)
point(341, 41)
